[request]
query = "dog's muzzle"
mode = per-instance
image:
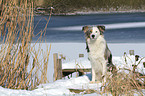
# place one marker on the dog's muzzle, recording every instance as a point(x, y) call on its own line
point(93, 36)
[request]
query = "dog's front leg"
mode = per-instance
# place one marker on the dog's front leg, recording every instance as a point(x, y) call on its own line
point(104, 72)
point(93, 76)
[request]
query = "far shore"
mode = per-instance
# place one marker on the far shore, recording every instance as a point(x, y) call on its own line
point(88, 12)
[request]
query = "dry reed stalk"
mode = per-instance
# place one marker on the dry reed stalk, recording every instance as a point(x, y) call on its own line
point(45, 62)
point(125, 84)
point(16, 51)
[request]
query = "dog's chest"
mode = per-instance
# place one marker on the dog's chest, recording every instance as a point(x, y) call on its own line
point(97, 47)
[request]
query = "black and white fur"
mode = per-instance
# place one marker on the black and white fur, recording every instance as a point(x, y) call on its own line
point(98, 52)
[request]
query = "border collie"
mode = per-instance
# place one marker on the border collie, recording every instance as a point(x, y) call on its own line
point(98, 52)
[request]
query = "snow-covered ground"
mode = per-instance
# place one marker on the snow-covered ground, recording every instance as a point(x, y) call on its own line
point(57, 88)
point(120, 63)
point(72, 51)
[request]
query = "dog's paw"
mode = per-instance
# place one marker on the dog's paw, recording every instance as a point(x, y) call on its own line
point(94, 82)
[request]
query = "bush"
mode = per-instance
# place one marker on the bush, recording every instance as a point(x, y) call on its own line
point(17, 55)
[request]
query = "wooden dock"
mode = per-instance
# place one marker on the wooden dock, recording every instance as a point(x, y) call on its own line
point(59, 72)
point(67, 72)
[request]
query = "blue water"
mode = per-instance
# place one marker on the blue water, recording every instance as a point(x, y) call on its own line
point(122, 35)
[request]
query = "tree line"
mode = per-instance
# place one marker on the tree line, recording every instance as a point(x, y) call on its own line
point(65, 6)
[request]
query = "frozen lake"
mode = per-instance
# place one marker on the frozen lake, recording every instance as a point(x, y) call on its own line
point(120, 27)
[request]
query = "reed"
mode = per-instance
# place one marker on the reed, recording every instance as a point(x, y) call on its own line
point(126, 82)
point(17, 54)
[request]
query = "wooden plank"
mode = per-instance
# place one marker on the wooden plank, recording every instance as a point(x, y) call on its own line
point(67, 72)
point(131, 52)
point(85, 91)
point(81, 55)
point(75, 70)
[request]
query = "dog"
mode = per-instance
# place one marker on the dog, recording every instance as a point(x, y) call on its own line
point(98, 52)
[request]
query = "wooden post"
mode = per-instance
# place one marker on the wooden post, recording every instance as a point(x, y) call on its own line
point(55, 57)
point(62, 57)
point(57, 67)
point(81, 55)
point(131, 52)
point(144, 64)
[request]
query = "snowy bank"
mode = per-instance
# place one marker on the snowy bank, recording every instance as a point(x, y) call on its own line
point(57, 88)
point(61, 87)
point(72, 51)
point(121, 62)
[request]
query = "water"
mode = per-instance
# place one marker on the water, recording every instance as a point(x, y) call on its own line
point(120, 27)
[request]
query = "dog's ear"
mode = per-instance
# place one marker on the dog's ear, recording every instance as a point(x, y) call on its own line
point(85, 29)
point(101, 28)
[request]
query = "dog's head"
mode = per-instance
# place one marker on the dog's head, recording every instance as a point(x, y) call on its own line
point(93, 32)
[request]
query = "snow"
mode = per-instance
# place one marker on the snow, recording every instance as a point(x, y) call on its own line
point(130, 60)
point(77, 83)
point(57, 88)
point(72, 51)
point(77, 64)
point(119, 62)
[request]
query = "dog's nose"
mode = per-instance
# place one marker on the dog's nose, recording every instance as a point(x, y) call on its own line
point(93, 36)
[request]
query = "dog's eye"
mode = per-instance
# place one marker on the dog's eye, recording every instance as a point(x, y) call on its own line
point(96, 31)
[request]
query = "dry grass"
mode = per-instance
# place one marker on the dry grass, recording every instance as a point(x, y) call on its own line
point(127, 82)
point(16, 51)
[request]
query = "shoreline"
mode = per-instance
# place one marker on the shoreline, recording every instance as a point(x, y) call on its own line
point(72, 50)
point(88, 13)
point(85, 43)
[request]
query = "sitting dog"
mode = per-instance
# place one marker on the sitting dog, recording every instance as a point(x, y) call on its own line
point(98, 52)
